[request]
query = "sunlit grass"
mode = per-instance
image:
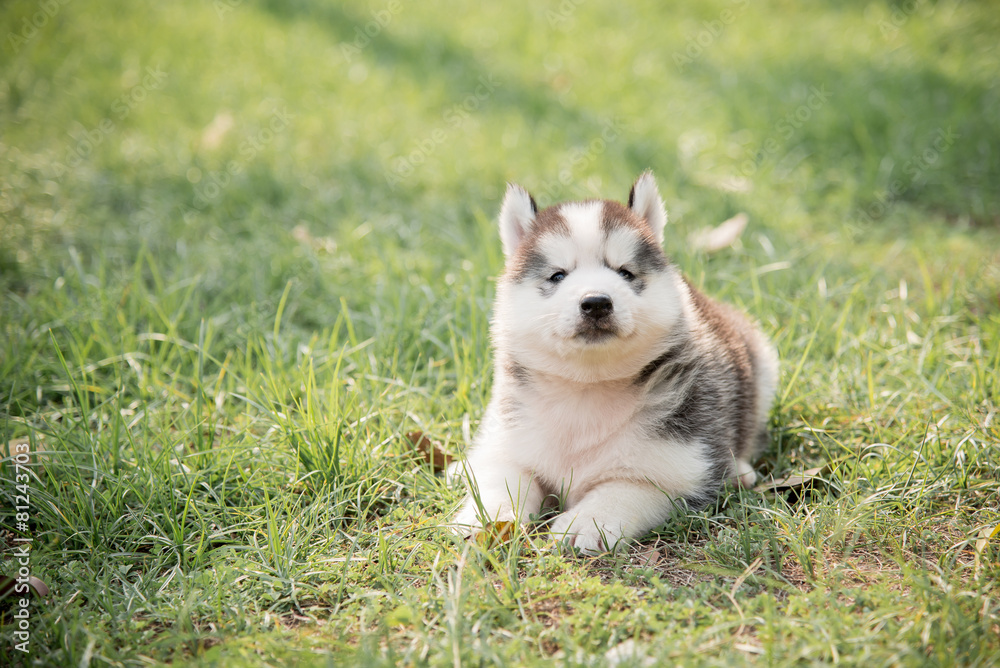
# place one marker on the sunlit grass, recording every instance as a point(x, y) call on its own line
point(244, 252)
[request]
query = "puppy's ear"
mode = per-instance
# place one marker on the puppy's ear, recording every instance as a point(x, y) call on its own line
point(517, 217)
point(644, 199)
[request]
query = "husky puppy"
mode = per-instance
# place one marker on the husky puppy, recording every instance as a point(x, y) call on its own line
point(619, 388)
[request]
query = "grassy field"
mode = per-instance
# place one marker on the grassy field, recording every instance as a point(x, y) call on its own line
point(247, 245)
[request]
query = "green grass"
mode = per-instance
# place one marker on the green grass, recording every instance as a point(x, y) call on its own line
point(214, 372)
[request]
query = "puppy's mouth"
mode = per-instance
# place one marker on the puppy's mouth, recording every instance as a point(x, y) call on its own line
point(596, 331)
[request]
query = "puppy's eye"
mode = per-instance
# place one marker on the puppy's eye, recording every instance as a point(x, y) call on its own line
point(626, 274)
point(557, 277)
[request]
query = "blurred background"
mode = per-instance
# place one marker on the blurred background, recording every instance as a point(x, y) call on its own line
point(236, 149)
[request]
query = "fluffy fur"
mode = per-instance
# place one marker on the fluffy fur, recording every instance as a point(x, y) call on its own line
point(619, 388)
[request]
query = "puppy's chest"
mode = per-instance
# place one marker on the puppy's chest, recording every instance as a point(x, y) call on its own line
point(566, 421)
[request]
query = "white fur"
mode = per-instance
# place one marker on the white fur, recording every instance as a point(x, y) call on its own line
point(590, 448)
point(586, 443)
point(578, 430)
point(517, 216)
point(583, 426)
point(542, 330)
point(648, 204)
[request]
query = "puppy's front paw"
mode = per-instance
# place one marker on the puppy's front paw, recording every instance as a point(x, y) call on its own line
point(591, 541)
point(468, 521)
point(465, 522)
point(744, 476)
point(584, 534)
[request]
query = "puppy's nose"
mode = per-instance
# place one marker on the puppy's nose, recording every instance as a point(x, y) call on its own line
point(596, 306)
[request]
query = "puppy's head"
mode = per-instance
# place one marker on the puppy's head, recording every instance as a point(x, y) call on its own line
point(587, 293)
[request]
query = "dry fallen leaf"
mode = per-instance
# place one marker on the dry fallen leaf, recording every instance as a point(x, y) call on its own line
point(494, 534)
point(985, 536)
point(23, 453)
point(431, 451)
point(8, 585)
point(794, 482)
point(216, 131)
point(649, 557)
point(711, 239)
point(19, 446)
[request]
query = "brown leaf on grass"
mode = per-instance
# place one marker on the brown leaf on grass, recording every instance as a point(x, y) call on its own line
point(649, 557)
point(301, 234)
point(711, 239)
point(798, 481)
point(431, 451)
point(494, 534)
point(21, 447)
point(985, 536)
point(216, 131)
point(8, 586)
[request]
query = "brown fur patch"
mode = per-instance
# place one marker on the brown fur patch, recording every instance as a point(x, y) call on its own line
point(527, 260)
point(617, 215)
point(734, 334)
